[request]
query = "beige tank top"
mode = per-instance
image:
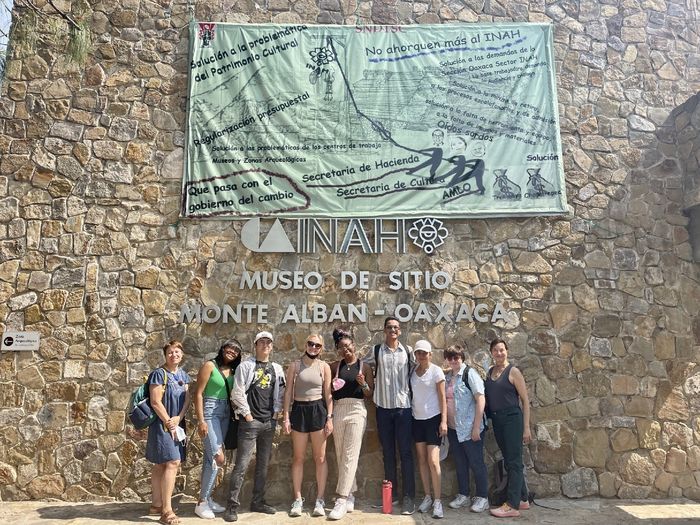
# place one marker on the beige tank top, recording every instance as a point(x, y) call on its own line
point(308, 385)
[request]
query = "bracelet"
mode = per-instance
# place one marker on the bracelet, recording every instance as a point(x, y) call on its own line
point(329, 416)
point(365, 387)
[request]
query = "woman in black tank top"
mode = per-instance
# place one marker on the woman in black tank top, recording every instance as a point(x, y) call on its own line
point(352, 383)
point(509, 408)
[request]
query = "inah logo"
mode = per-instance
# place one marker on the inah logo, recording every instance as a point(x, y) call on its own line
point(275, 241)
point(339, 235)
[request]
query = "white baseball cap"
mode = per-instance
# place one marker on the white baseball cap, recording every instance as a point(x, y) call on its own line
point(263, 335)
point(422, 345)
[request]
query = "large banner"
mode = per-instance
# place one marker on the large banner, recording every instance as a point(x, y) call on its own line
point(455, 120)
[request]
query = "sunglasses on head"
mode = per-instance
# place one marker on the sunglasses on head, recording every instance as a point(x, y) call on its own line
point(311, 344)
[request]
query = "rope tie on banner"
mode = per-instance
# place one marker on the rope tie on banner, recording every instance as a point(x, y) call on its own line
point(190, 9)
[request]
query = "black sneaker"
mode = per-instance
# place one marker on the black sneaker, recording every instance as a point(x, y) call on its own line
point(231, 513)
point(409, 506)
point(262, 506)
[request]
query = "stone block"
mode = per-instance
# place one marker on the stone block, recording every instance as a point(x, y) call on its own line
point(671, 404)
point(637, 470)
point(624, 439)
point(591, 448)
point(553, 460)
point(676, 434)
point(649, 433)
point(675, 460)
point(664, 346)
point(600, 347)
point(543, 341)
point(630, 491)
point(624, 385)
point(579, 483)
point(694, 458)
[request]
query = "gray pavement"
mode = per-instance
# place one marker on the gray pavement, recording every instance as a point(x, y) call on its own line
point(572, 512)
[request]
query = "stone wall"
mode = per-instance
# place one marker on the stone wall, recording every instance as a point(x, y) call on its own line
point(94, 257)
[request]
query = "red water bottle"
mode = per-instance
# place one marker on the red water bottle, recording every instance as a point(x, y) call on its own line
point(386, 497)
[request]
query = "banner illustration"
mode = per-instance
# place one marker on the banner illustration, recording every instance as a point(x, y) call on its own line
point(454, 120)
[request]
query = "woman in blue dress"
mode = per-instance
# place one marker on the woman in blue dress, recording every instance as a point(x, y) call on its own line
point(165, 448)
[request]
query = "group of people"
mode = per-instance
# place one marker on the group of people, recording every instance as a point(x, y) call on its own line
point(418, 406)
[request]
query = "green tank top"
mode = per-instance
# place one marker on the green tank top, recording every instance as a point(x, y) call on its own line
point(215, 386)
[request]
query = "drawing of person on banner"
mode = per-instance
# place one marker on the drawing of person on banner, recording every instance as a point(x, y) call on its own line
point(458, 144)
point(477, 149)
point(435, 156)
point(322, 57)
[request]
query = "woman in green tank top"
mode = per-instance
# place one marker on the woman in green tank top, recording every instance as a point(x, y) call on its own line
point(213, 409)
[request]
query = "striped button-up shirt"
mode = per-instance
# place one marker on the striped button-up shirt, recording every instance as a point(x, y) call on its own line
point(391, 388)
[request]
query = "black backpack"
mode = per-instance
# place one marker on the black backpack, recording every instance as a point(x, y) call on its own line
point(499, 494)
point(465, 379)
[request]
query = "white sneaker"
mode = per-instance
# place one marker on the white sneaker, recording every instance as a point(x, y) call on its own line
point(339, 510)
point(350, 503)
point(460, 501)
point(297, 507)
point(437, 509)
point(319, 511)
point(203, 511)
point(426, 504)
point(215, 507)
point(479, 504)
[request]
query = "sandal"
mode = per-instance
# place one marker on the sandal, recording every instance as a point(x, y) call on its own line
point(157, 511)
point(169, 518)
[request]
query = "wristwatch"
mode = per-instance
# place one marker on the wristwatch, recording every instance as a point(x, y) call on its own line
point(329, 416)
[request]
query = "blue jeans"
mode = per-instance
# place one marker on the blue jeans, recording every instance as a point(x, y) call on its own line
point(469, 454)
point(394, 425)
point(217, 416)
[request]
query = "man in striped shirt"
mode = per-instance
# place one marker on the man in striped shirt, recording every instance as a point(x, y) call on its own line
point(392, 363)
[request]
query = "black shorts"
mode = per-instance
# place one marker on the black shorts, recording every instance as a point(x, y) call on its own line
point(427, 430)
point(308, 416)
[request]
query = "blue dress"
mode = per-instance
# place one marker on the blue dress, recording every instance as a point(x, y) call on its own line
point(161, 447)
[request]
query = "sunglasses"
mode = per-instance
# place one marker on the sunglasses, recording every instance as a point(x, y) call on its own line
point(453, 358)
point(392, 327)
point(311, 344)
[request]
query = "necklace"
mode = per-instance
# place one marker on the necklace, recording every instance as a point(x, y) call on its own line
point(348, 365)
point(497, 373)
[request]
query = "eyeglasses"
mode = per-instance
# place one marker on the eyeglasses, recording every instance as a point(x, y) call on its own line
point(392, 327)
point(311, 344)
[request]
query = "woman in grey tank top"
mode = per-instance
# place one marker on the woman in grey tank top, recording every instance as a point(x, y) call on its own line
point(310, 417)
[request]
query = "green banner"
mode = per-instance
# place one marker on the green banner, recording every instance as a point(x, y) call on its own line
point(454, 120)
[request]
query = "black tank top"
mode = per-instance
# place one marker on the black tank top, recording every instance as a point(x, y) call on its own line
point(351, 388)
point(500, 392)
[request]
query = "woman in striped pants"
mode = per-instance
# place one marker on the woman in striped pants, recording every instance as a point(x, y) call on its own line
point(352, 384)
